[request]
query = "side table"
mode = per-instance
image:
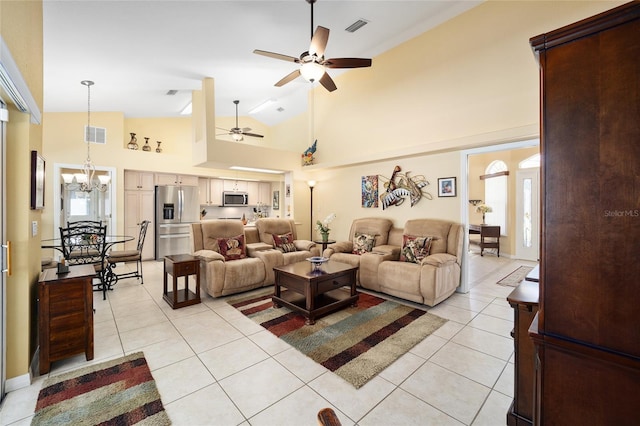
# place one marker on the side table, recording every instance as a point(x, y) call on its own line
point(65, 314)
point(181, 265)
point(324, 244)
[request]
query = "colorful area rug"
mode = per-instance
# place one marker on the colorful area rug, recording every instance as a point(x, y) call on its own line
point(355, 343)
point(117, 392)
point(516, 277)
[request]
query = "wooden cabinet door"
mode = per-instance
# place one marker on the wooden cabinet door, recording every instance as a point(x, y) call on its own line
point(236, 185)
point(216, 187)
point(253, 193)
point(139, 206)
point(203, 191)
point(265, 193)
point(166, 179)
point(188, 180)
point(146, 181)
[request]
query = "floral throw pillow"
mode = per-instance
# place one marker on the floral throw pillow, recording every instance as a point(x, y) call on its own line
point(414, 249)
point(284, 243)
point(363, 243)
point(232, 248)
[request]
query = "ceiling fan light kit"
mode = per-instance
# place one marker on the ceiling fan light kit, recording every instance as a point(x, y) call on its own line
point(312, 63)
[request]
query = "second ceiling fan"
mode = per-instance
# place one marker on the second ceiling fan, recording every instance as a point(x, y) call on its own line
point(312, 63)
point(237, 133)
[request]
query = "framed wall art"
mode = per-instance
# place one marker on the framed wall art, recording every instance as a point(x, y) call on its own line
point(37, 181)
point(276, 200)
point(370, 191)
point(447, 187)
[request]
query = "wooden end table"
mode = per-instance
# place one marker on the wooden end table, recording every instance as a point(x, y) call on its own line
point(324, 244)
point(313, 292)
point(181, 265)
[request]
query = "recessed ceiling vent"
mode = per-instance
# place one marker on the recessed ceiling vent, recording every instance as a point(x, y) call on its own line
point(95, 134)
point(356, 25)
point(172, 92)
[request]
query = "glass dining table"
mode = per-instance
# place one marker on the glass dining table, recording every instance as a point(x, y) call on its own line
point(104, 271)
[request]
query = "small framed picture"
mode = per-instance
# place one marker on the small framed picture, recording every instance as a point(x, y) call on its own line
point(276, 200)
point(37, 181)
point(447, 187)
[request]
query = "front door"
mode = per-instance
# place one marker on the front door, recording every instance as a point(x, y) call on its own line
point(528, 214)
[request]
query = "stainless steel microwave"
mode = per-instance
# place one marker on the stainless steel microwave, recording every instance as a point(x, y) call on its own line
point(235, 198)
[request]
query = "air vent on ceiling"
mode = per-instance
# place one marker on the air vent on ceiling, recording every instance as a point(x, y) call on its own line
point(172, 92)
point(356, 25)
point(95, 134)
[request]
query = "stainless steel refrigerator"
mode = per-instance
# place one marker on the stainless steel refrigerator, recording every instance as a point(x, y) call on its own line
point(176, 208)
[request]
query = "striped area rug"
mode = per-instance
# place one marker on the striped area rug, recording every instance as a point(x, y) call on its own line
point(117, 392)
point(355, 343)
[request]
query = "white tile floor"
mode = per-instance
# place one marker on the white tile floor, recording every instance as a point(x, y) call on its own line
point(213, 366)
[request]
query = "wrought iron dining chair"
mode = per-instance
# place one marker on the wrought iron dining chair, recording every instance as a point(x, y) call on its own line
point(85, 245)
point(123, 256)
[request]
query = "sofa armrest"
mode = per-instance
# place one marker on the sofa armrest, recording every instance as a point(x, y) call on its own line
point(253, 248)
point(388, 250)
point(439, 259)
point(304, 245)
point(208, 255)
point(340, 247)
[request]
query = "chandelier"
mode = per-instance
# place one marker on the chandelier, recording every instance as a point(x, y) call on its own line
point(87, 181)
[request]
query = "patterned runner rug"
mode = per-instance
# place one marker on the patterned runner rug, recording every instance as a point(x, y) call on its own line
point(355, 343)
point(516, 277)
point(117, 392)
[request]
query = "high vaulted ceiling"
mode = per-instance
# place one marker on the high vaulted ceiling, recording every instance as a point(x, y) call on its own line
point(137, 51)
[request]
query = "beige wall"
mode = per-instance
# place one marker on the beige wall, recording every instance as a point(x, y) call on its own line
point(21, 29)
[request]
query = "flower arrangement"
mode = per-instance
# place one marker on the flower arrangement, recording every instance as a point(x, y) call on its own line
point(323, 226)
point(483, 208)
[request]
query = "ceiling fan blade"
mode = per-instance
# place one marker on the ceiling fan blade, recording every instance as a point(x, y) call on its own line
point(327, 82)
point(319, 41)
point(289, 77)
point(223, 134)
point(245, 129)
point(347, 63)
point(276, 56)
point(221, 128)
point(254, 135)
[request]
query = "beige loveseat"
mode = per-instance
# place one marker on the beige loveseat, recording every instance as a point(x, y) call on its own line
point(430, 281)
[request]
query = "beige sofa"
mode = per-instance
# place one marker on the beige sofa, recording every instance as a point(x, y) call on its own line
point(222, 276)
point(430, 281)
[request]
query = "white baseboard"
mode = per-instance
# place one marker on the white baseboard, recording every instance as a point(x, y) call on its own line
point(16, 383)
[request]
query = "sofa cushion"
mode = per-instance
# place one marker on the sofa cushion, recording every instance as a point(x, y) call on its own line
point(363, 243)
point(414, 248)
point(284, 242)
point(232, 248)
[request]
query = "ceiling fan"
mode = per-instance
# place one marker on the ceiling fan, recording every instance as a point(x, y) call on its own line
point(238, 133)
point(312, 63)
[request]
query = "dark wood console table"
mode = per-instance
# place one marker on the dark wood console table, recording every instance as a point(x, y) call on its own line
point(489, 236)
point(524, 301)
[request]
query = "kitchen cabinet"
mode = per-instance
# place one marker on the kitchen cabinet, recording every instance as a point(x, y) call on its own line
point(586, 331)
point(259, 192)
point(139, 206)
point(138, 181)
point(235, 185)
point(210, 191)
point(171, 179)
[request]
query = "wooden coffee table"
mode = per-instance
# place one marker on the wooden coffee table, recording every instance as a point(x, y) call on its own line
point(315, 293)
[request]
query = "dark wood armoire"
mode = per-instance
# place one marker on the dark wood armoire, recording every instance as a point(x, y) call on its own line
point(587, 331)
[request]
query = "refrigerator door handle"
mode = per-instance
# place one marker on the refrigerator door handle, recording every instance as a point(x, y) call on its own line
point(180, 204)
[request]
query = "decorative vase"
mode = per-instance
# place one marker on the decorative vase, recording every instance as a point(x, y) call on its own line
point(146, 146)
point(325, 236)
point(158, 149)
point(133, 143)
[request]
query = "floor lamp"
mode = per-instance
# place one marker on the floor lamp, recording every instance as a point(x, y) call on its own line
point(311, 184)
